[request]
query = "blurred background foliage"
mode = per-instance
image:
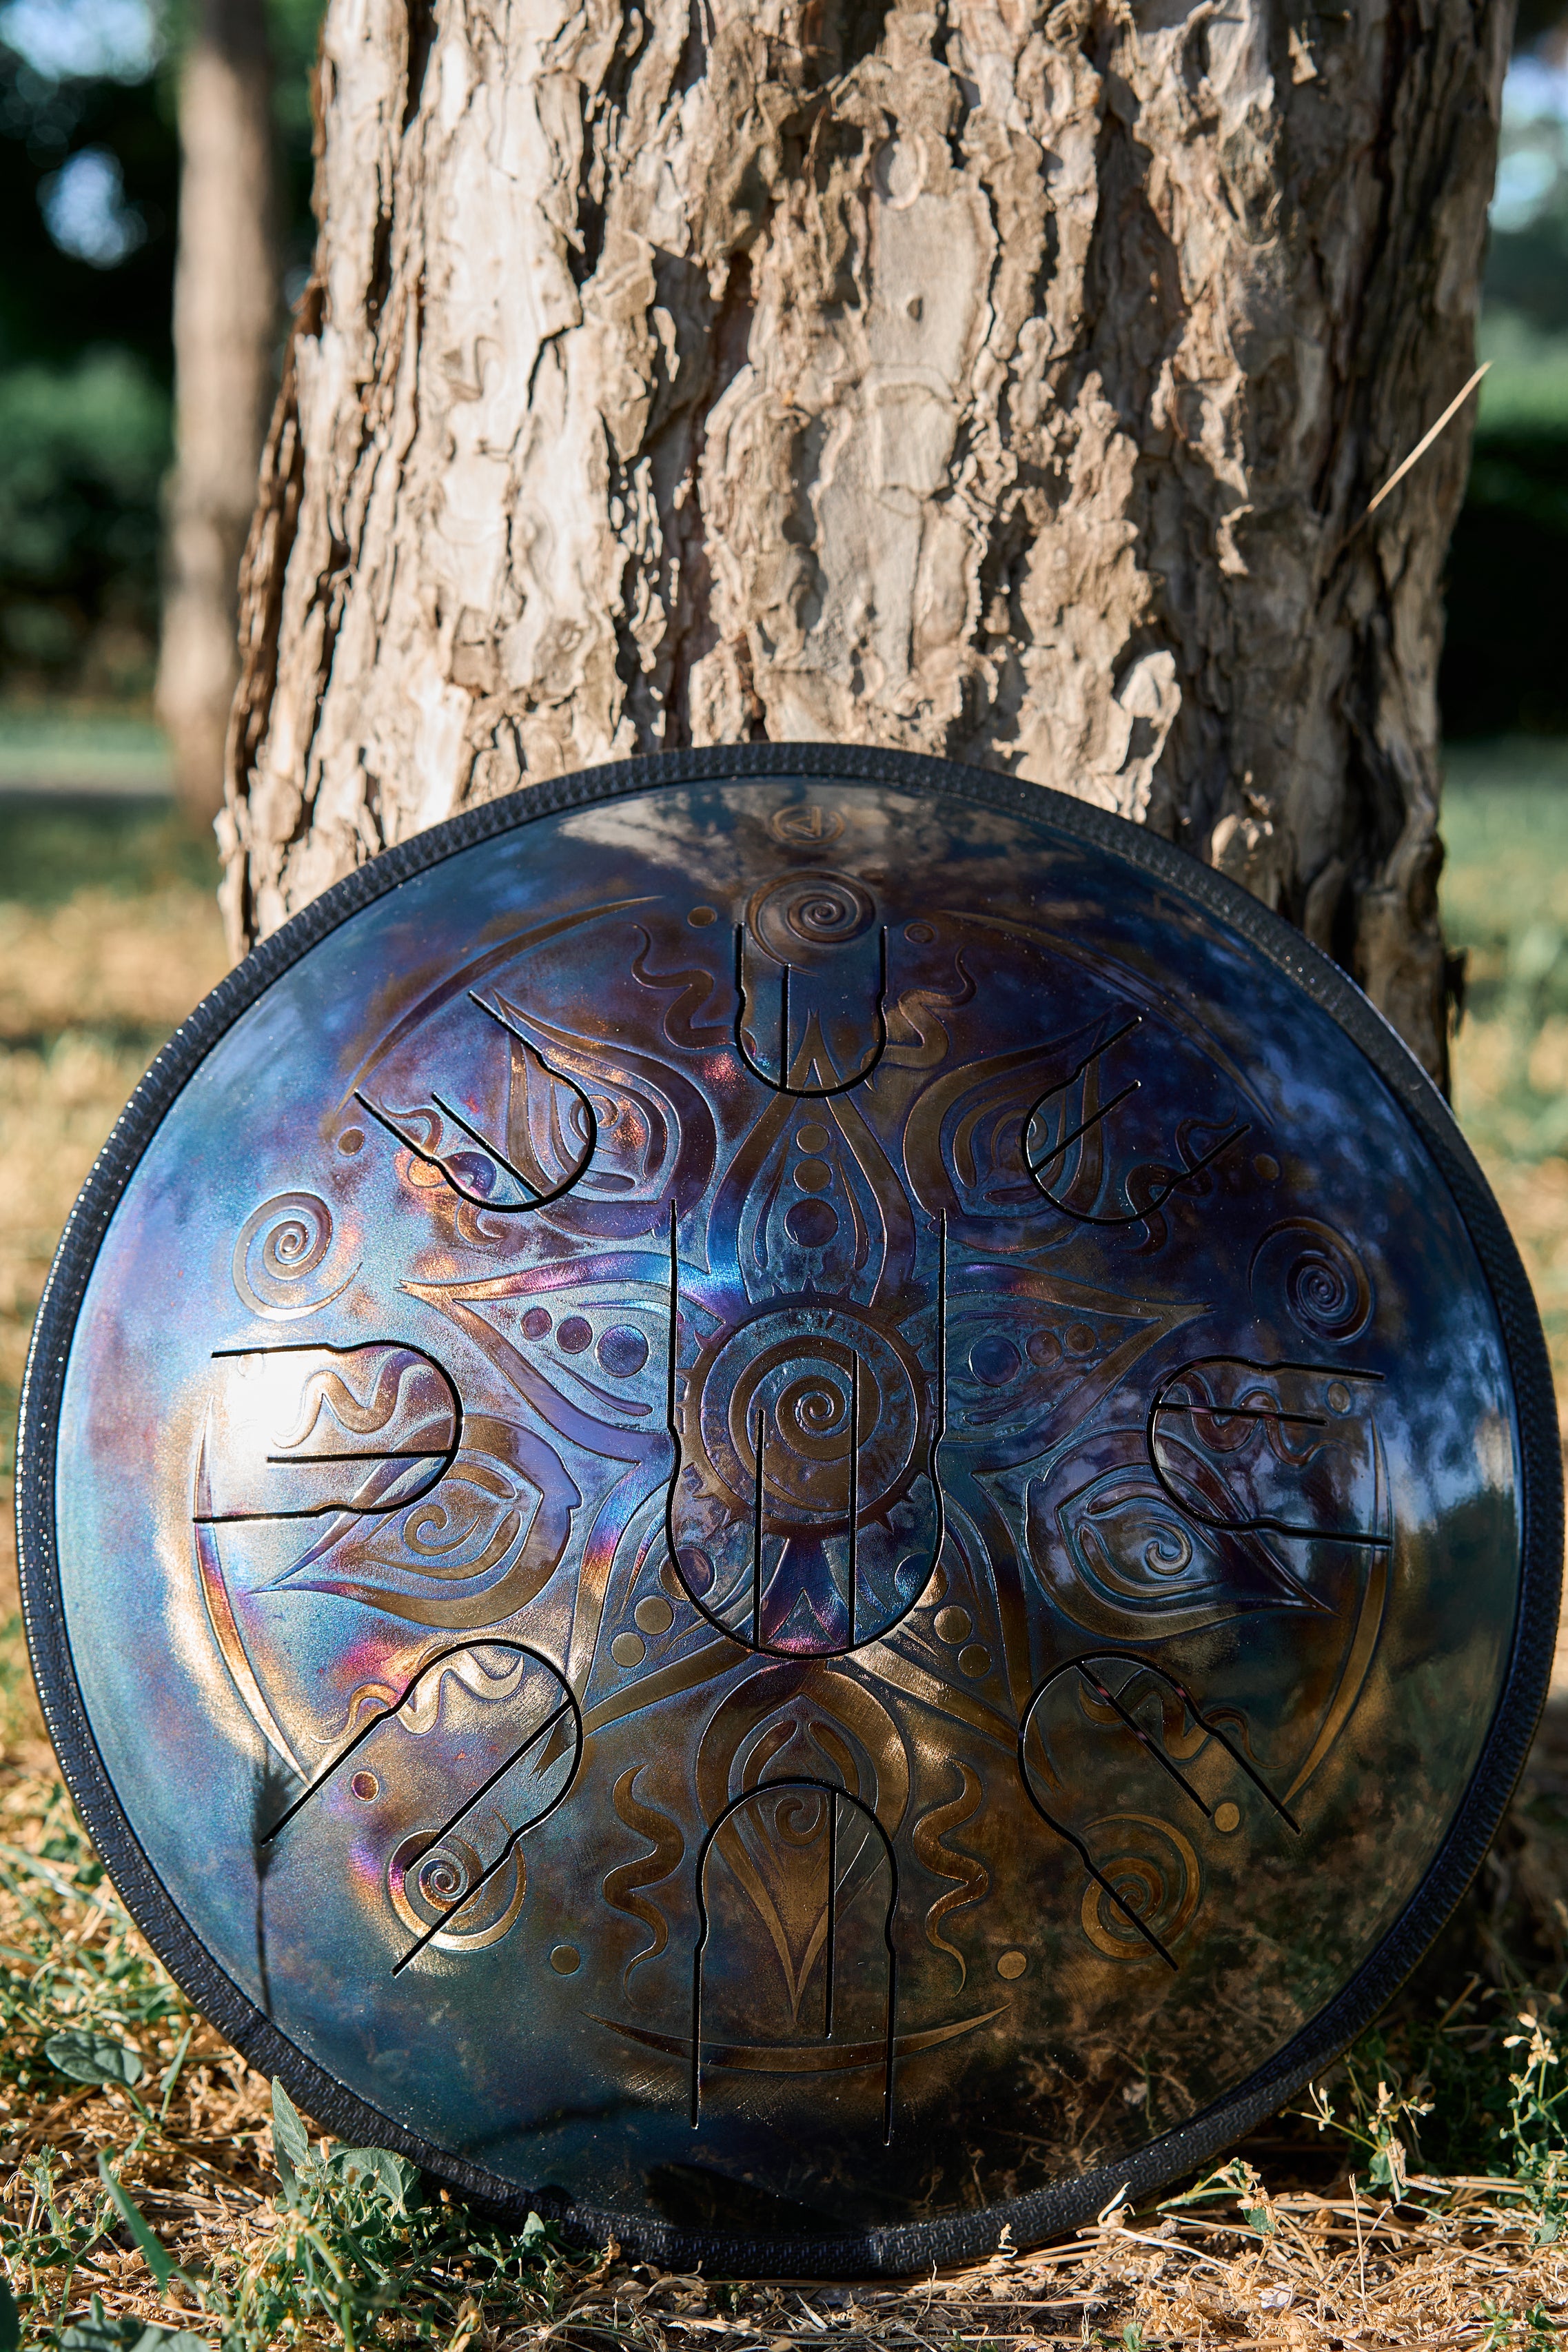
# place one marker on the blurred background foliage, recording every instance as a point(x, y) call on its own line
point(88, 179)
point(1505, 666)
point(88, 167)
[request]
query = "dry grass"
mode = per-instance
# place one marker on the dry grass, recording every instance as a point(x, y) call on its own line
point(1428, 2259)
point(1427, 2214)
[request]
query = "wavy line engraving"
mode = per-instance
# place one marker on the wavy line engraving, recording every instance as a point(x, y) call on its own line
point(623, 1886)
point(970, 1879)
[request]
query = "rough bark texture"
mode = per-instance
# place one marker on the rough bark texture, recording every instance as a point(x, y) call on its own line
point(997, 381)
point(227, 310)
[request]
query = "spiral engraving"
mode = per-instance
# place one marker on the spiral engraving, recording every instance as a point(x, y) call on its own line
point(810, 910)
point(802, 1516)
point(883, 1483)
point(430, 1879)
point(1321, 1280)
point(1326, 1296)
point(1168, 1551)
point(1148, 1884)
point(284, 1262)
point(807, 1386)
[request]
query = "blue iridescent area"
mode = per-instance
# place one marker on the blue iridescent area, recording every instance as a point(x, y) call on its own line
point(788, 1484)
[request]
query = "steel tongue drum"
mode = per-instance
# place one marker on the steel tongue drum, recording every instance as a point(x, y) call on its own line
point(793, 1502)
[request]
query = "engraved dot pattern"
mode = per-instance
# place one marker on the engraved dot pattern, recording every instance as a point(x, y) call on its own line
point(774, 1440)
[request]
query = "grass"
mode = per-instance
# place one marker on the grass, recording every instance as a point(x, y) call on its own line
point(107, 935)
point(151, 2193)
point(45, 746)
point(1505, 904)
point(1527, 388)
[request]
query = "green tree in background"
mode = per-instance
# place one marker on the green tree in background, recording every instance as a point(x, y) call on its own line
point(89, 182)
point(1508, 567)
point(227, 311)
point(89, 192)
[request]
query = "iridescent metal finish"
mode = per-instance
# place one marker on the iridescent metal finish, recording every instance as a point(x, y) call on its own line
point(793, 1505)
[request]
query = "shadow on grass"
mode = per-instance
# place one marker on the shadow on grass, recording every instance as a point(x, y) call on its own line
point(55, 844)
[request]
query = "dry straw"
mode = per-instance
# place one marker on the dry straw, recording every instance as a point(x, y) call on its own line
point(1426, 439)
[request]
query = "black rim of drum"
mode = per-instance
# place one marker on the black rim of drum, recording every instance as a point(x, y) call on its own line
point(910, 2246)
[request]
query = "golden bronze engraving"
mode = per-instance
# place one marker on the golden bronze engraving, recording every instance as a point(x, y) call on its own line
point(786, 1506)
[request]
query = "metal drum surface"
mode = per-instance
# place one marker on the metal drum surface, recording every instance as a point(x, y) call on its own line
point(791, 1500)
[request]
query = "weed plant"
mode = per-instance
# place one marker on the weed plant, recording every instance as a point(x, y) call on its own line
point(158, 2197)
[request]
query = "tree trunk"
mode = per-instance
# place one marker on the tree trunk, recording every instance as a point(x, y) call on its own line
point(988, 379)
point(226, 325)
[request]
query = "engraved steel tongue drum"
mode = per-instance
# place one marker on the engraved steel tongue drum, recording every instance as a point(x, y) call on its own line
point(793, 1501)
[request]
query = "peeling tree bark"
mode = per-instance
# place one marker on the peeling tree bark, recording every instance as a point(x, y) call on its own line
point(997, 380)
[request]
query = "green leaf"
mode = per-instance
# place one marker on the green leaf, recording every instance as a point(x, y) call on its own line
point(130, 2336)
point(98, 2332)
point(95, 2334)
point(289, 2131)
point(537, 2234)
point(158, 2259)
point(1260, 2218)
point(89, 2335)
point(392, 2176)
point(10, 2321)
point(93, 2058)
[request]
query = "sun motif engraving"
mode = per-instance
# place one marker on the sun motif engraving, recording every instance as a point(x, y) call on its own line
point(774, 1528)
